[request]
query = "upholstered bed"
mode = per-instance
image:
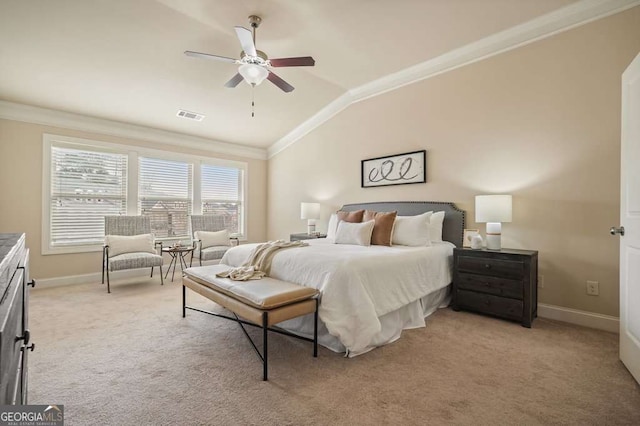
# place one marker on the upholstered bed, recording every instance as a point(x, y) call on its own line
point(368, 294)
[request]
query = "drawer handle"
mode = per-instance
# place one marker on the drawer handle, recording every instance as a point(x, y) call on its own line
point(487, 302)
point(487, 266)
point(32, 283)
point(26, 337)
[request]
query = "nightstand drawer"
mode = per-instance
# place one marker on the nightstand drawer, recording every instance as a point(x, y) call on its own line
point(494, 267)
point(491, 285)
point(488, 304)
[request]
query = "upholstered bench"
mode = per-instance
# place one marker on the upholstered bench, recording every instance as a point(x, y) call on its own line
point(261, 303)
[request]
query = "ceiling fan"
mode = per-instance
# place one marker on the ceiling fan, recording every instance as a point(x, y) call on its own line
point(255, 64)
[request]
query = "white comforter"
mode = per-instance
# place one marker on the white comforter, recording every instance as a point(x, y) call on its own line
point(358, 284)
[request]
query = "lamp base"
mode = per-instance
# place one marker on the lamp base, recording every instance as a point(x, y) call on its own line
point(494, 236)
point(311, 227)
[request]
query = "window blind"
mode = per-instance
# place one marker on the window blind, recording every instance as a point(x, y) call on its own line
point(165, 195)
point(222, 195)
point(85, 186)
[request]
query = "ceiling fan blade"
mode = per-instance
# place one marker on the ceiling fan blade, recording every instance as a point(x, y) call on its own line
point(303, 61)
point(246, 40)
point(286, 87)
point(209, 56)
point(235, 80)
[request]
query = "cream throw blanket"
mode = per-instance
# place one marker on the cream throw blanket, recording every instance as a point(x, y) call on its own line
point(258, 264)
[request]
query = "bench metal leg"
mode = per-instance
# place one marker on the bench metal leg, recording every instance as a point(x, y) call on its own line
point(265, 323)
point(315, 331)
point(184, 301)
point(265, 329)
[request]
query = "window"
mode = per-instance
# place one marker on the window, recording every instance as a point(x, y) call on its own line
point(85, 186)
point(85, 180)
point(165, 195)
point(222, 195)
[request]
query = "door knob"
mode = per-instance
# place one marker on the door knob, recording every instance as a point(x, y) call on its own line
point(614, 231)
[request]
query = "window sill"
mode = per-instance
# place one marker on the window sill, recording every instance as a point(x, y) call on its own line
point(47, 251)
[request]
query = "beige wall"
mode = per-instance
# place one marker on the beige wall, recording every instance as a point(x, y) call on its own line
point(21, 193)
point(541, 122)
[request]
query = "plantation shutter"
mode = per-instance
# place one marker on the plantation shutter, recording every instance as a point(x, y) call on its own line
point(222, 195)
point(165, 195)
point(85, 186)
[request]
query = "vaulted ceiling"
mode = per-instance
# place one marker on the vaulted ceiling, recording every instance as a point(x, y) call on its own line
point(123, 60)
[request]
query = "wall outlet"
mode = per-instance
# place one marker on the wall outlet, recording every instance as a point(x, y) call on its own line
point(593, 288)
point(540, 281)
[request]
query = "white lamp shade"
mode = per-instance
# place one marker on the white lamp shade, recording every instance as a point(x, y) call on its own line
point(309, 210)
point(493, 208)
point(253, 74)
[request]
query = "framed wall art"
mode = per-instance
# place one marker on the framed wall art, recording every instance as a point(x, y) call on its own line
point(399, 169)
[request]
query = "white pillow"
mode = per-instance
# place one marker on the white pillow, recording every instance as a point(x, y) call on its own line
point(333, 226)
point(210, 239)
point(119, 244)
point(412, 230)
point(435, 227)
point(354, 233)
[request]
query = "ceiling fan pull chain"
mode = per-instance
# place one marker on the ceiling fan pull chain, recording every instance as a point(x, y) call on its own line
point(252, 100)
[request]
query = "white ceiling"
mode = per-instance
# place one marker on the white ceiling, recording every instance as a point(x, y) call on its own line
point(123, 60)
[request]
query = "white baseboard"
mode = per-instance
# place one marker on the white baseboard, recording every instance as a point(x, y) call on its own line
point(96, 278)
point(572, 316)
point(584, 318)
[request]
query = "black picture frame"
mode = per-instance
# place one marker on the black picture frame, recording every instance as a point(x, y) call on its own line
point(393, 169)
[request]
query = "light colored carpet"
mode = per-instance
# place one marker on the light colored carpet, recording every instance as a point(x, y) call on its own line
point(129, 358)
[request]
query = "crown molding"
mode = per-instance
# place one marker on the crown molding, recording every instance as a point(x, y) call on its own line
point(566, 18)
point(67, 120)
point(325, 114)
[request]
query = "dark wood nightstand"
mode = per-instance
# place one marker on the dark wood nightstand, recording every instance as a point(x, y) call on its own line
point(502, 283)
point(305, 236)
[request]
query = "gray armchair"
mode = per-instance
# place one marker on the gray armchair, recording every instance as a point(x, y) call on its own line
point(209, 223)
point(138, 255)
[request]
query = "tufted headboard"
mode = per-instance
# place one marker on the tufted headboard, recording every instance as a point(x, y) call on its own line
point(454, 218)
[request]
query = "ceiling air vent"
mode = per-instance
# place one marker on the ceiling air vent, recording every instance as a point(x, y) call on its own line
point(190, 115)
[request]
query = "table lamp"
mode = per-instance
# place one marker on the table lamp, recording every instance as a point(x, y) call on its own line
point(493, 209)
point(311, 212)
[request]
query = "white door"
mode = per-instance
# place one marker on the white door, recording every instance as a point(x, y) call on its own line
point(630, 220)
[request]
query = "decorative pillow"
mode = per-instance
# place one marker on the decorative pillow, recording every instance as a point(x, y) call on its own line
point(353, 217)
point(435, 227)
point(120, 244)
point(412, 230)
point(354, 233)
point(383, 226)
point(210, 239)
point(332, 226)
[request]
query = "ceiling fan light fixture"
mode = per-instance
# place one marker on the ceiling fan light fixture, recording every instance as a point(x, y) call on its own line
point(255, 65)
point(253, 74)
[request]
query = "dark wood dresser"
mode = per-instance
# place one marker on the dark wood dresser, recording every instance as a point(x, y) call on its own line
point(502, 283)
point(15, 340)
point(305, 236)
